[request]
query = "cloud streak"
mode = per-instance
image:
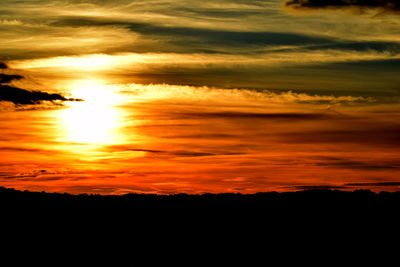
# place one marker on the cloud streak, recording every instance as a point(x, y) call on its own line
point(202, 39)
point(384, 5)
point(374, 184)
point(191, 39)
point(231, 44)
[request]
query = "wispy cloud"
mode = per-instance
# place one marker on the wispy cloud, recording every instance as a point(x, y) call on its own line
point(10, 22)
point(249, 44)
point(235, 96)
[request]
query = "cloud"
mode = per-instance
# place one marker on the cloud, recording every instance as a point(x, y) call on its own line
point(344, 186)
point(117, 148)
point(316, 187)
point(254, 115)
point(22, 96)
point(211, 40)
point(199, 39)
point(374, 184)
point(246, 44)
point(384, 5)
point(392, 48)
point(353, 164)
point(10, 22)
point(367, 134)
point(236, 96)
point(173, 153)
point(19, 149)
point(6, 78)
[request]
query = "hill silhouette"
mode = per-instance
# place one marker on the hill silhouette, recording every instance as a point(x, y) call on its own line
point(310, 199)
point(230, 215)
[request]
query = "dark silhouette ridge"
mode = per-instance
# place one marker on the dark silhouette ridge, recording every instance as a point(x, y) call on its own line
point(311, 197)
point(229, 216)
point(290, 210)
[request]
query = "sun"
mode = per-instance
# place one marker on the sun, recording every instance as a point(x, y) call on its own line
point(96, 120)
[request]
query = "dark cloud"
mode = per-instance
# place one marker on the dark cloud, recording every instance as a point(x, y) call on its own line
point(19, 149)
point(183, 153)
point(350, 78)
point(387, 135)
point(23, 176)
point(174, 153)
point(22, 96)
point(374, 184)
point(349, 45)
point(6, 78)
point(254, 115)
point(204, 136)
point(315, 187)
point(391, 65)
point(344, 186)
point(386, 5)
point(117, 148)
point(198, 36)
point(351, 164)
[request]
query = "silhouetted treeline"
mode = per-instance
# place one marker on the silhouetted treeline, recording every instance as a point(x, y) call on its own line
point(269, 213)
point(311, 198)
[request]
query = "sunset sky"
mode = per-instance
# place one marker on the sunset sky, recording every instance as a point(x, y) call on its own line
point(173, 96)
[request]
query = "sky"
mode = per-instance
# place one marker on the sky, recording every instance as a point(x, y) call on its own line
point(172, 96)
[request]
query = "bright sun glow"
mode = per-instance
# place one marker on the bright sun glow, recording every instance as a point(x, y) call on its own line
point(96, 120)
point(83, 63)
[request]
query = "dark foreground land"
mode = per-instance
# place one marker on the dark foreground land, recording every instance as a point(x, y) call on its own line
point(308, 194)
point(312, 199)
point(270, 213)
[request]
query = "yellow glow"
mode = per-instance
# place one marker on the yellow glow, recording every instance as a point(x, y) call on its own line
point(134, 61)
point(91, 62)
point(96, 120)
point(84, 63)
point(95, 93)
